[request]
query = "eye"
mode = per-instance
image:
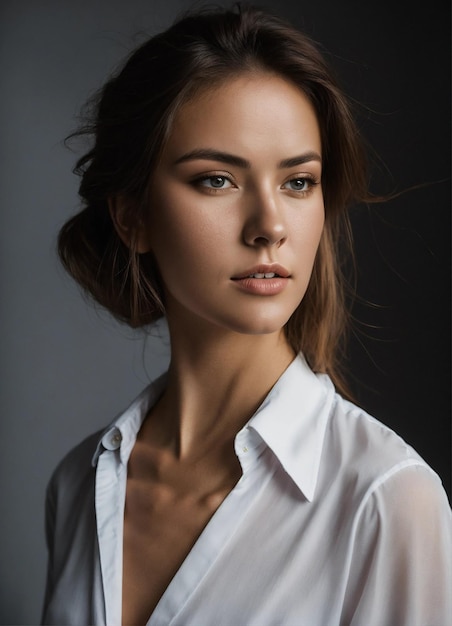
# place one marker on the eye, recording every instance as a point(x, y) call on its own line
point(299, 184)
point(215, 182)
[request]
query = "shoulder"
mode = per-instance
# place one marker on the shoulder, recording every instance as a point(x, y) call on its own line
point(371, 468)
point(365, 449)
point(77, 463)
point(72, 481)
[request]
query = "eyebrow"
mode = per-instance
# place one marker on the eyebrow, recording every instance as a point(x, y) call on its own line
point(231, 159)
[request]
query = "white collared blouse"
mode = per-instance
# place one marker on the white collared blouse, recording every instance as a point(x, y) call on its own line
point(335, 521)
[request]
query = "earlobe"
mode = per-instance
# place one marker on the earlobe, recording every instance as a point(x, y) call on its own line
point(133, 235)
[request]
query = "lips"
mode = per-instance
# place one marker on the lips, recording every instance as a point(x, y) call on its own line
point(264, 272)
point(268, 279)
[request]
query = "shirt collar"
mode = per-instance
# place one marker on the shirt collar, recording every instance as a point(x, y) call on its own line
point(122, 432)
point(291, 421)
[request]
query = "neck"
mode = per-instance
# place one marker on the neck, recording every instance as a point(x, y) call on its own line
point(216, 381)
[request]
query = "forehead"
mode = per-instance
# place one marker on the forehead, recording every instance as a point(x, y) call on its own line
point(250, 115)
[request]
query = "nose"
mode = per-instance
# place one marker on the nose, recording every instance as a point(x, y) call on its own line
point(264, 224)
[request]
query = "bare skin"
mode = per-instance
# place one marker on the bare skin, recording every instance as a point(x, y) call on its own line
point(228, 346)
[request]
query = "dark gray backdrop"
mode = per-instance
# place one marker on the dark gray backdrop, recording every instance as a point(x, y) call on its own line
point(67, 369)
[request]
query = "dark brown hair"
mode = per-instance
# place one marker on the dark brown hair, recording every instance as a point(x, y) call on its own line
point(131, 118)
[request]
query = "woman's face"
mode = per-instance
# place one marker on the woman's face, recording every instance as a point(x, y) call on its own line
point(236, 206)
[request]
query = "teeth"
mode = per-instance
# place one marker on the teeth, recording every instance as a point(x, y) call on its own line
point(268, 275)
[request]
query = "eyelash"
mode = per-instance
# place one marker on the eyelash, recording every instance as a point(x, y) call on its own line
point(200, 182)
point(310, 180)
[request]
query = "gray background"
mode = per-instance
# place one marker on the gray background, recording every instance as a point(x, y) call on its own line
point(67, 369)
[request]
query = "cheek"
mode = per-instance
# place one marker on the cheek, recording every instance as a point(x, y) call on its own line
point(310, 232)
point(186, 239)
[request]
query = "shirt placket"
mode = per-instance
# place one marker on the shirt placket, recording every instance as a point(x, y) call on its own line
point(109, 503)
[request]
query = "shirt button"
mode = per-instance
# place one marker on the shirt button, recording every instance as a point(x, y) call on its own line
point(112, 440)
point(116, 439)
point(245, 449)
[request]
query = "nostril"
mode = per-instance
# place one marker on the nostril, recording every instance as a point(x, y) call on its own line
point(262, 240)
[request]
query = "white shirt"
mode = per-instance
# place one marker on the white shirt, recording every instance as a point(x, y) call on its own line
point(335, 521)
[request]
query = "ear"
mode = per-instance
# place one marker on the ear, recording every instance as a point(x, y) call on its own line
point(135, 235)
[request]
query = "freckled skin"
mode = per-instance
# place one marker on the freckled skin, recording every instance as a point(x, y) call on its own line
point(201, 239)
point(208, 222)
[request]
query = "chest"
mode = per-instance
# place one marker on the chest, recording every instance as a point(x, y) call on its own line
point(267, 564)
point(165, 513)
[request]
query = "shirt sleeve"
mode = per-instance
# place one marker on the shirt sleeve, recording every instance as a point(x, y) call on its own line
point(401, 568)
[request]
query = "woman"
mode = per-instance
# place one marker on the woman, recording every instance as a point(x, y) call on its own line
point(239, 488)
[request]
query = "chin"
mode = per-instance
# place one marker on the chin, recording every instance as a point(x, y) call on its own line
point(255, 326)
